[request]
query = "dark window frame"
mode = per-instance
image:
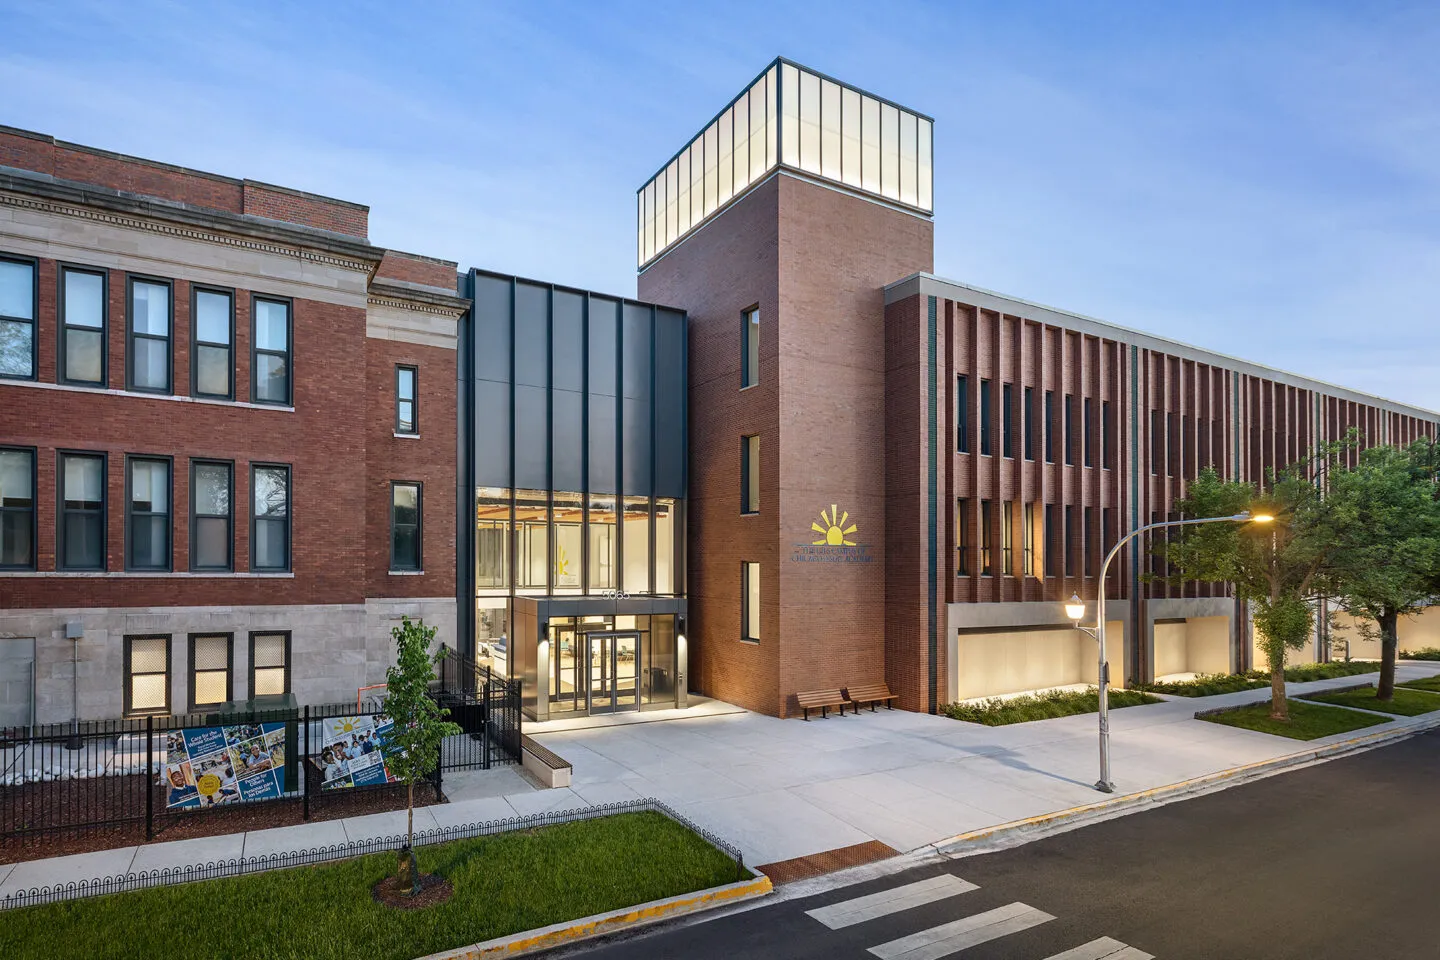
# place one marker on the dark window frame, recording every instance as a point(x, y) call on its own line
point(34, 509)
point(255, 351)
point(250, 679)
point(190, 670)
point(34, 319)
point(1007, 420)
point(1071, 539)
point(749, 378)
point(746, 566)
point(747, 508)
point(1027, 539)
point(1087, 519)
point(196, 343)
point(987, 539)
point(1107, 435)
point(289, 516)
point(130, 335)
point(962, 413)
point(962, 536)
point(1007, 538)
point(419, 566)
point(1069, 429)
point(62, 560)
point(985, 418)
point(62, 349)
point(1027, 402)
point(126, 677)
point(413, 400)
point(1087, 431)
point(194, 515)
point(1049, 426)
point(1051, 558)
point(169, 462)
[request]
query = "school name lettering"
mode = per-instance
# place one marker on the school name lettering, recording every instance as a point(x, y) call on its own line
point(811, 553)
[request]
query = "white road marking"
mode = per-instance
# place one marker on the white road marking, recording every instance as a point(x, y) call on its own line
point(850, 912)
point(958, 935)
point(1104, 948)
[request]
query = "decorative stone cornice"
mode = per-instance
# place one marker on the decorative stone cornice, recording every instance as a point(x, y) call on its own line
point(415, 306)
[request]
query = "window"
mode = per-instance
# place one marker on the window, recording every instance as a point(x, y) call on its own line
point(18, 306)
point(1070, 541)
point(406, 403)
point(1007, 538)
point(270, 518)
point(962, 414)
point(1027, 540)
point(82, 512)
point(147, 675)
point(750, 474)
point(213, 369)
point(271, 366)
point(1007, 420)
point(149, 355)
point(750, 602)
point(1107, 436)
point(17, 509)
point(1187, 459)
point(492, 538)
point(985, 417)
point(1157, 440)
point(1049, 426)
point(1029, 414)
point(750, 351)
point(987, 522)
point(147, 515)
point(1202, 436)
point(1087, 544)
point(211, 665)
point(1052, 555)
point(269, 663)
point(210, 523)
point(1172, 445)
point(82, 326)
point(1089, 432)
point(962, 537)
point(405, 526)
point(1069, 430)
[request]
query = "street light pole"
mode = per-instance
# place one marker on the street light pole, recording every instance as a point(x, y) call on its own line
point(1075, 610)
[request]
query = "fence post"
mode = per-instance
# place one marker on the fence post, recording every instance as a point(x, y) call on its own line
point(149, 778)
point(305, 768)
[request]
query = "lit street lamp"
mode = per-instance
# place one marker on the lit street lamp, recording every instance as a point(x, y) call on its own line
point(1075, 610)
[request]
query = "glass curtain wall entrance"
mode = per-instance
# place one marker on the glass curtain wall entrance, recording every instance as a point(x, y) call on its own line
point(595, 671)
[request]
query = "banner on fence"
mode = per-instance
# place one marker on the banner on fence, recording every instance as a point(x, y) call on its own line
point(352, 751)
point(207, 766)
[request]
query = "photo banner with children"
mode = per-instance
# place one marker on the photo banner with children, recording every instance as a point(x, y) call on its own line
point(208, 766)
point(352, 752)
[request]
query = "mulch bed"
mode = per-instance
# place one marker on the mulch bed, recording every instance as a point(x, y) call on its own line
point(114, 801)
point(434, 889)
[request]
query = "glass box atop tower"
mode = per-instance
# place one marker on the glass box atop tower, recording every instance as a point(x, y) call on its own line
point(791, 117)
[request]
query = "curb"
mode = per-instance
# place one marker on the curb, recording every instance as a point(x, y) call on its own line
point(601, 924)
point(988, 839)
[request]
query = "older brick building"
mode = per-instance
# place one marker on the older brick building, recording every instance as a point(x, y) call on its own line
point(227, 438)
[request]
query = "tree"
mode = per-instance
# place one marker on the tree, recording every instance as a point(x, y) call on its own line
point(418, 726)
point(1278, 567)
point(1388, 564)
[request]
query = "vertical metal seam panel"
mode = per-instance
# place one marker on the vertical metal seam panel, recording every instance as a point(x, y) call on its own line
point(931, 491)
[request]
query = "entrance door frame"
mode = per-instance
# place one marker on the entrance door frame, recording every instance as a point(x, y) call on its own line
point(610, 663)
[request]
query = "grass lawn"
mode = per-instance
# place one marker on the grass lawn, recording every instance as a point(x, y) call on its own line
point(503, 884)
point(1207, 685)
point(1424, 653)
point(1424, 683)
point(1303, 672)
point(997, 712)
point(1407, 703)
point(1308, 721)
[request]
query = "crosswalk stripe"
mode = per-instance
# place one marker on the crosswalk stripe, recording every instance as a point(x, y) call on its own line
point(958, 935)
point(860, 909)
point(1104, 948)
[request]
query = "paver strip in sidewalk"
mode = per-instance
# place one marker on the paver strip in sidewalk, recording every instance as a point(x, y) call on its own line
point(802, 868)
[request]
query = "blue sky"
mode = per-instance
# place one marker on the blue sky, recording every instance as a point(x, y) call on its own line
point(1261, 179)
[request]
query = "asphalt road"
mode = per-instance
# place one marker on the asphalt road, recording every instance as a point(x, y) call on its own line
point(1339, 861)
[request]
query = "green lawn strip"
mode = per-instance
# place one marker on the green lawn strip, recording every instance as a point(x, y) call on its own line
point(1308, 721)
point(1305, 672)
point(1407, 703)
point(503, 884)
point(1207, 685)
point(999, 711)
point(1424, 683)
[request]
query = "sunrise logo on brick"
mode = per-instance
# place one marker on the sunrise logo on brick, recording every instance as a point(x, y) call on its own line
point(832, 530)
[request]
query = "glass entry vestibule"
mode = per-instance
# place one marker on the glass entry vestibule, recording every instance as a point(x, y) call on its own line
point(594, 671)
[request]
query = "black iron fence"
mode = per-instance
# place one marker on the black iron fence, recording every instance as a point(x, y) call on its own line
point(486, 707)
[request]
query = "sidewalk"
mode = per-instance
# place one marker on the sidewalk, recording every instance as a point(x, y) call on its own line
point(782, 789)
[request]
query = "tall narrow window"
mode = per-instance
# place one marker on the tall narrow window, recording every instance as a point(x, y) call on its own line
point(211, 665)
point(1071, 541)
point(272, 352)
point(1107, 436)
point(1052, 551)
point(985, 417)
point(750, 354)
point(1007, 538)
point(147, 675)
point(149, 352)
point(1049, 426)
point(82, 326)
point(406, 404)
point(270, 518)
point(1187, 459)
point(962, 414)
point(17, 509)
point(214, 366)
point(1088, 544)
point(82, 511)
point(1069, 429)
point(18, 306)
point(1172, 445)
point(750, 602)
point(269, 663)
point(211, 533)
point(1107, 530)
point(405, 526)
point(1007, 420)
point(987, 523)
point(1029, 414)
point(1027, 540)
point(147, 515)
point(750, 474)
point(1089, 432)
point(1157, 441)
point(962, 537)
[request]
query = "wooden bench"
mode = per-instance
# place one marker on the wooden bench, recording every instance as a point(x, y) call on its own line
point(871, 693)
point(821, 700)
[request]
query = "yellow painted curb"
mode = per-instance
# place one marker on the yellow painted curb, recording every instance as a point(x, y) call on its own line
point(602, 923)
point(1092, 811)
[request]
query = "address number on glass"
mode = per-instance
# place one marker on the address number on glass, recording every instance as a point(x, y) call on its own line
point(615, 594)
